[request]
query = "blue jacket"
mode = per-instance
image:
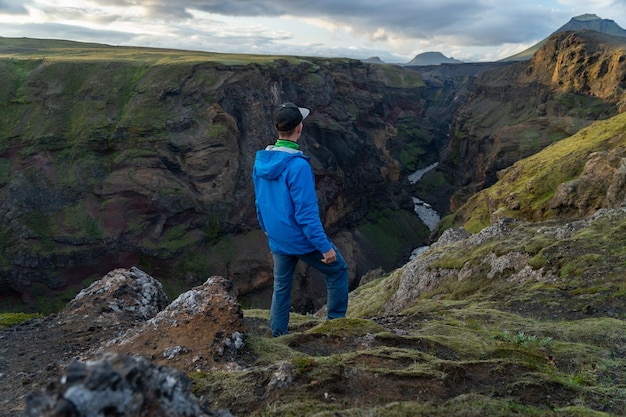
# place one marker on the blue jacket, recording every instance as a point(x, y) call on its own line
point(286, 203)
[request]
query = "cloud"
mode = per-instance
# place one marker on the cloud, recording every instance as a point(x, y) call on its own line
point(394, 29)
point(469, 22)
point(9, 7)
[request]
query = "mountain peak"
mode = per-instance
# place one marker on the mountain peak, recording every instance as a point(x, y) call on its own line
point(586, 16)
point(593, 22)
point(374, 60)
point(586, 21)
point(432, 58)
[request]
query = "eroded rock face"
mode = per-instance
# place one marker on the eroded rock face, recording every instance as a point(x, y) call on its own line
point(120, 385)
point(601, 185)
point(543, 97)
point(200, 329)
point(163, 163)
point(424, 273)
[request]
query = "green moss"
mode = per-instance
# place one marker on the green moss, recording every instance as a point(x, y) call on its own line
point(303, 363)
point(61, 50)
point(227, 389)
point(41, 224)
point(346, 327)
point(195, 262)
point(11, 319)
point(416, 143)
point(5, 171)
point(268, 350)
point(465, 405)
point(75, 221)
point(397, 77)
point(534, 180)
point(368, 300)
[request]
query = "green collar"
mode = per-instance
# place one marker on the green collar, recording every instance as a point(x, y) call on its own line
point(286, 144)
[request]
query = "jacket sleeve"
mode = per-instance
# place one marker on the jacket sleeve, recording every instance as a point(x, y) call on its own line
point(301, 185)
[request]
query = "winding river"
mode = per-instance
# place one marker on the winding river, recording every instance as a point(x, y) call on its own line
point(425, 212)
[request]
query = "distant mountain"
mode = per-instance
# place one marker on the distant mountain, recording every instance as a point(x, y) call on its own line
point(432, 58)
point(593, 22)
point(374, 60)
point(578, 23)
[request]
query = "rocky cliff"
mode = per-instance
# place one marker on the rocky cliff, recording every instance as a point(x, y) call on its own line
point(119, 157)
point(107, 161)
point(518, 109)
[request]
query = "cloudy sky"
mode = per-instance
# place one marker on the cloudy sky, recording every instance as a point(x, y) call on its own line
point(394, 30)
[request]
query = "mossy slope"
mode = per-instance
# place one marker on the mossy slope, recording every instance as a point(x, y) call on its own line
point(527, 189)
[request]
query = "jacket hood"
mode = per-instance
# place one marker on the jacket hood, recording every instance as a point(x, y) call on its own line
point(271, 162)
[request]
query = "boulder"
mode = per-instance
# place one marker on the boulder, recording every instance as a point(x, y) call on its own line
point(120, 385)
point(199, 330)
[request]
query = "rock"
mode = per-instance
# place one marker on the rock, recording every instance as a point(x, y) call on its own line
point(509, 262)
point(502, 227)
point(200, 329)
point(601, 185)
point(416, 279)
point(283, 377)
point(120, 385)
point(371, 276)
point(452, 235)
point(616, 193)
point(126, 292)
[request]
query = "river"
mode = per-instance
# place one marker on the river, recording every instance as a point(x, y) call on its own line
point(425, 212)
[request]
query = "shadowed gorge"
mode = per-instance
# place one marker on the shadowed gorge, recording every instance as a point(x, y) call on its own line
point(146, 160)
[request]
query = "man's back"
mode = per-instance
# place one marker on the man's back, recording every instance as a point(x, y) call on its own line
point(286, 202)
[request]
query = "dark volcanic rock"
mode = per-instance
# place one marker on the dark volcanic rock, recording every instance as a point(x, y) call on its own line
point(117, 385)
point(129, 293)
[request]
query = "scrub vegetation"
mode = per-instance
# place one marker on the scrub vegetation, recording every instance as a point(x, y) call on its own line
point(483, 345)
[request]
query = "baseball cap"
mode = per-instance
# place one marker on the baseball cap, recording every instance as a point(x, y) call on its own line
point(287, 116)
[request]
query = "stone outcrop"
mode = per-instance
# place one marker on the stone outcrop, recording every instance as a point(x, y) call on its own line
point(118, 345)
point(425, 273)
point(128, 293)
point(118, 385)
point(602, 184)
point(200, 329)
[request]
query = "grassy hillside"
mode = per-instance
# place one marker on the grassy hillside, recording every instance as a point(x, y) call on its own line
point(491, 336)
point(527, 189)
point(62, 50)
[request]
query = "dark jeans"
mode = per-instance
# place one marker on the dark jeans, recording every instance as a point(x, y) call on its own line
point(336, 287)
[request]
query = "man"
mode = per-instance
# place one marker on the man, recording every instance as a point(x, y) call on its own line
point(287, 210)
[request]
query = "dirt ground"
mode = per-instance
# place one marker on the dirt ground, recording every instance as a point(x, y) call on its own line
point(35, 353)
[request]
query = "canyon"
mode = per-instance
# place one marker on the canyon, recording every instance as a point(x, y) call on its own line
point(125, 183)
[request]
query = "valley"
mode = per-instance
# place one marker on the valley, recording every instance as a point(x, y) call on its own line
point(128, 226)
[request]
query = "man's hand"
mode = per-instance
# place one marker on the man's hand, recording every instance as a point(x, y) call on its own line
point(329, 257)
